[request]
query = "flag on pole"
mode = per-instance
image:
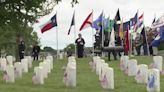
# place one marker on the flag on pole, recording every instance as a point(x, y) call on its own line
point(135, 22)
point(116, 19)
point(50, 24)
point(160, 37)
point(117, 16)
point(111, 25)
point(140, 20)
point(121, 32)
point(144, 35)
point(112, 39)
point(159, 22)
point(72, 23)
point(88, 22)
point(98, 22)
point(126, 42)
point(107, 24)
point(154, 20)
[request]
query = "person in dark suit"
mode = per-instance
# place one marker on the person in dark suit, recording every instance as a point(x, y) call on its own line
point(21, 48)
point(80, 46)
point(35, 52)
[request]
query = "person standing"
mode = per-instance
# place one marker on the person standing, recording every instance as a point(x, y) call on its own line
point(21, 48)
point(138, 43)
point(118, 42)
point(80, 46)
point(35, 52)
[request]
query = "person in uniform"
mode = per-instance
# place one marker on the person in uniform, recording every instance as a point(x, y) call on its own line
point(21, 48)
point(80, 46)
point(138, 43)
point(118, 42)
point(35, 52)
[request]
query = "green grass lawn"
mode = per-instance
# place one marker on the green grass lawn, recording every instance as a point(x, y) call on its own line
point(87, 81)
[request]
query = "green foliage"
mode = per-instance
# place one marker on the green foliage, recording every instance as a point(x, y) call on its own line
point(49, 50)
point(16, 16)
point(20, 12)
point(70, 47)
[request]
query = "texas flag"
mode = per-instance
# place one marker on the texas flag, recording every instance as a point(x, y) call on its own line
point(50, 24)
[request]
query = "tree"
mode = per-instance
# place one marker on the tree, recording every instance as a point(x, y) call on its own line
point(49, 49)
point(18, 13)
point(16, 16)
point(70, 47)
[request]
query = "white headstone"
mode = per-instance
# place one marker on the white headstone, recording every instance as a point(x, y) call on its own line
point(100, 69)
point(98, 66)
point(158, 62)
point(10, 74)
point(24, 63)
point(48, 65)
point(153, 84)
point(141, 76)
point(103, 70)
point(29, 58)
point(3, 64)
point(10, 60)
point(108, 80)
point(132, 67)
point(38, 78)
point(71, 74)
point(45, 72)
point(51, 60)
point(18, 69)
point(61, 56)
point(124, 62)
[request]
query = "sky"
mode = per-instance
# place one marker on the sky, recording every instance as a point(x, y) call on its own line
point(128, 8)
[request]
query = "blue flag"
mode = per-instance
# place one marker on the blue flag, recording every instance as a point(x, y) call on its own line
point(159, 38)
point(98, 22)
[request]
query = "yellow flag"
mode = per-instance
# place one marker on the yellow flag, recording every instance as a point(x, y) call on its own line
point(121, 32)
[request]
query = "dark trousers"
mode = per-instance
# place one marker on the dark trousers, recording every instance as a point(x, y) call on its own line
point(151, 50)
point(80, 52)
point(36, 56)
point(138, 49)
point(21, 55)
point(145, 49)
point(114, 55)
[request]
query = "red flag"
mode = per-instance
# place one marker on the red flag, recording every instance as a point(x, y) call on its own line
point(88, 22)
point(126, 42)
point(52, 23)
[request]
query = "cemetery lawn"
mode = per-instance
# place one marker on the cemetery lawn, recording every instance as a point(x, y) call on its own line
point(87, 81)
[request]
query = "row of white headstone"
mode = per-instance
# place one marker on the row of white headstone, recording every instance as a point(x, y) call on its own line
point(41, 72)
point(12, 69)
point(143, 74)
point(105, 73)
point(69, 77)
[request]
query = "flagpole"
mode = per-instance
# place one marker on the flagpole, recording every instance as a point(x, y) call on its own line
point(93, 51)
point(102, 33)
point(74, 32)
point(148, 52)
point(57, 37)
